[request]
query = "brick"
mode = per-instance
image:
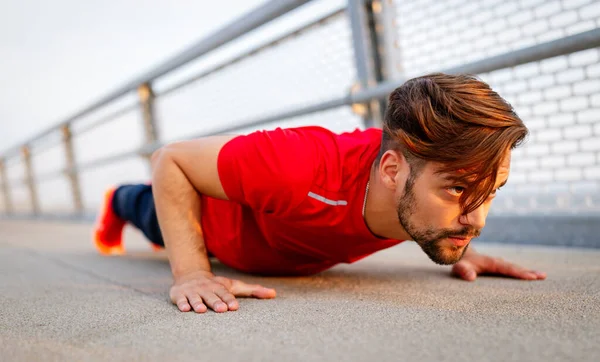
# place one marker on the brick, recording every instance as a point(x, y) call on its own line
point(551, 35)
point(595, 101)
point(502, 75)
point(484, 42)
point(573, 4)
point(580, 27)
point(553, 161)
point(468, 8)
point(581, 159)
point(568, 174)
point(530, 97)
point(540, 176)
point(515, 87)
point(531, 3)
point(557, 92)
point(554, 64)
point(524, 111)
point(527, 70)
point(524, 42)
point(540, 149)
point(524, 163)
point(542, 81)
point(587, 87)
point(564, 147)
point(590, 144)
point(593, 71)
point(495, 25)
point(547, 9)
point(574, 104)
point(535, 123)
point(563, 19)
point(535, 27)
point(507, 35)
point(570, 76)
point(545, 108)
point(592, 173)
point(590, 11)
point(578, 132)
point(561, 120)
point(548, 135)
point(589, 116)
point(505, 8)
point(517, 178)
point(522, 17)
point(585, 57)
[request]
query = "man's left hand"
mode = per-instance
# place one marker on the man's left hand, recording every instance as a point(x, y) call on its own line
point(474, 264)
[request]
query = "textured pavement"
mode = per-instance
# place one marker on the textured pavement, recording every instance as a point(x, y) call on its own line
point(61, 301)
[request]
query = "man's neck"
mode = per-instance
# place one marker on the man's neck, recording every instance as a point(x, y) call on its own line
point(380, 211)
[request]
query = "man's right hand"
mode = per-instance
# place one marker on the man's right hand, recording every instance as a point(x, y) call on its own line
point(201, 289)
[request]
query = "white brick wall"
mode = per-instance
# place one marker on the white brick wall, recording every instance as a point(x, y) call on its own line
point(574, 104)
point(578, 132)
point(590, 144)
point(592, 173)
point(548, 135)
point(581, 159)
point(568, 174)
point(557, 92)
point(589, 116)
point(552, 161)
point(591, 86)
point(561, 120)
point(566, 147)
point(558, 98)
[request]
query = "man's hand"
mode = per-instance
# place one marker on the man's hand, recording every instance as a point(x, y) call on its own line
point(199, 290)
point(474, 264)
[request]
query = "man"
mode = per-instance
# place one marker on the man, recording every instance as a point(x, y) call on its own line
point(299, 201)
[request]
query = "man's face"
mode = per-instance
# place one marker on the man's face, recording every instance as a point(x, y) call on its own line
point(428, 209)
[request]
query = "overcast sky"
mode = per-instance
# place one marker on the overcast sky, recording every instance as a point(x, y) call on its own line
point(58, 56)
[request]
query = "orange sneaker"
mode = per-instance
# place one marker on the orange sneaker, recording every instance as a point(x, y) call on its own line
point(108, 231)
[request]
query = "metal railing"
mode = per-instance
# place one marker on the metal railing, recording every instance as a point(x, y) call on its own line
point(375, 46)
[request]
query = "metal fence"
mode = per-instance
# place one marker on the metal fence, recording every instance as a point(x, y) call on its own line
point(336, 71)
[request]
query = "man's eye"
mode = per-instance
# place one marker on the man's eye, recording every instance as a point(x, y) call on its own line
point(456, 190)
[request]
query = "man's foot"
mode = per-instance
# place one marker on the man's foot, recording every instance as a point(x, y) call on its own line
point(108, 231)
point(157, 248)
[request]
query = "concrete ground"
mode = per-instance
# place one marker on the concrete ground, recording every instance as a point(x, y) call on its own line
point(59, 300)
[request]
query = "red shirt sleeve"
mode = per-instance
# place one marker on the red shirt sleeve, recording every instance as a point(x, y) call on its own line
point(269, 171)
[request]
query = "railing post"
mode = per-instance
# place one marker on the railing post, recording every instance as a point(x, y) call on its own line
point(29, 179)
point(375, 44)
point(146, 96)
point(385, 34)
point(71, 171)
point(364, 58)
point(5, 188)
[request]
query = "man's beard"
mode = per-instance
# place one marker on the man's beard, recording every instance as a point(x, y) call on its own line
point(430, 240)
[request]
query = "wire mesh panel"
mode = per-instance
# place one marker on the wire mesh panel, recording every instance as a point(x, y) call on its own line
point(558, 169)
point(311, 67)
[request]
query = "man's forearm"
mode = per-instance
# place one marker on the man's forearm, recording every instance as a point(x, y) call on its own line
point(178, 211)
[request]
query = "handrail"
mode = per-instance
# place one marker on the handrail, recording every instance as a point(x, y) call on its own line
point(582, 41)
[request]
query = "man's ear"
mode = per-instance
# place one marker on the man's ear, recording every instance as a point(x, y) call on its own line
point(393, 168)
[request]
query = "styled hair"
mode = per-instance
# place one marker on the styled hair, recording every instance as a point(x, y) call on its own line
point(457, 121)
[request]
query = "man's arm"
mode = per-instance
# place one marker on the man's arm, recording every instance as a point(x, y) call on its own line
point(181, 172)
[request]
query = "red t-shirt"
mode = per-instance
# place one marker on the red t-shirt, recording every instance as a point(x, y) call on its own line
point(295, 201)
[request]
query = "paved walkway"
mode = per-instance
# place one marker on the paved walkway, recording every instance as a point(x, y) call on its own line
point(59, 300)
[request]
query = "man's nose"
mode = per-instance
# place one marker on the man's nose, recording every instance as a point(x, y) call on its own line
point(475, 218)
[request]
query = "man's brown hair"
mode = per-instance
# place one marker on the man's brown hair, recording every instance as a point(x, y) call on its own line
point(457, 121)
